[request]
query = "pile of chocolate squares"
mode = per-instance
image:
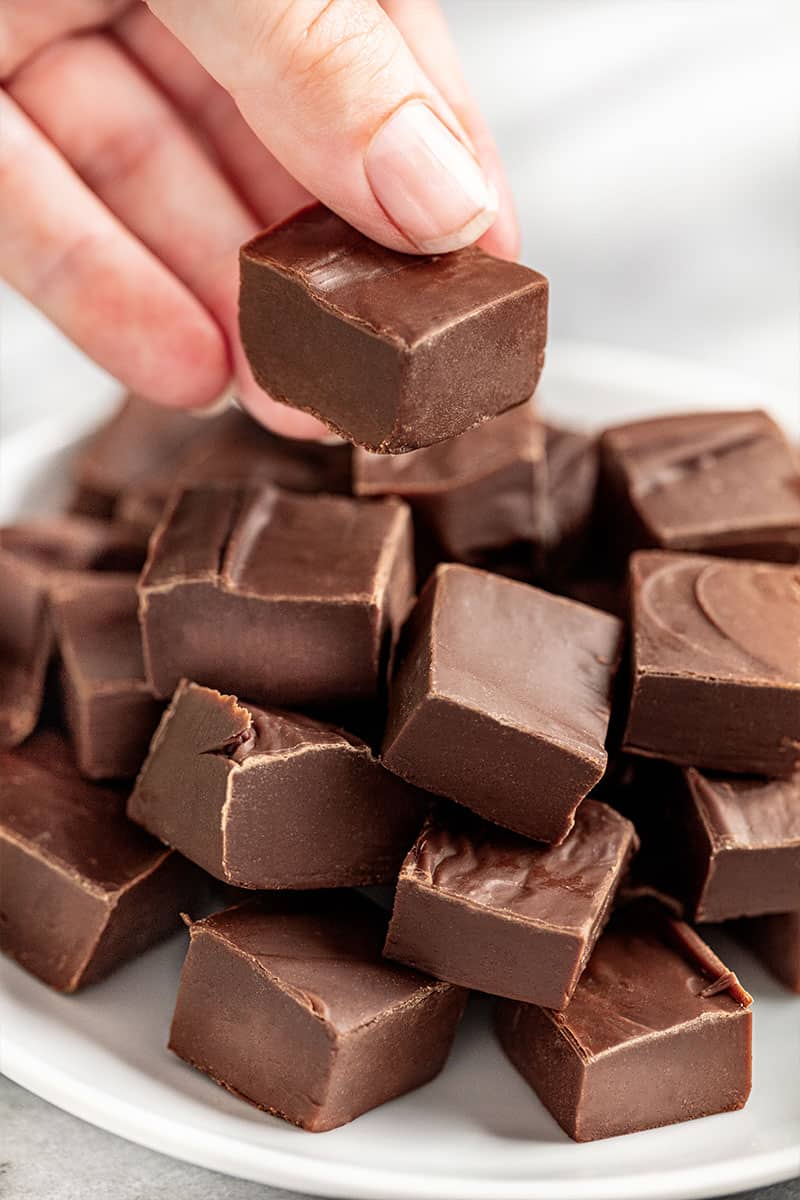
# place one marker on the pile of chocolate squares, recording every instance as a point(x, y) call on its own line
point(579, 743)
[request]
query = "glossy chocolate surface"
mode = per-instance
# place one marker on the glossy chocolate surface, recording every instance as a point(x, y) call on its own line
point(266, 799)
point(339, 1030)
point(722, 483)
point(486, 909)
point(393, 351)
point(657, 1031)
point(83, 890)
point(110, 710)
point(715, 663)
point(291, 600)
point(502, 698)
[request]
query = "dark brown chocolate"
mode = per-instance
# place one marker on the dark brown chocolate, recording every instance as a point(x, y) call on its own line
point(287, 599)
point(775, 939)
point(567, 513)
point(657, 1031)
point(266, 799)
point(719, 483)
point(723, 846)
point(488, 910)
point(82, 890)
point(76, 543)
point(478, 497)
point(110, 710)
point(715, 663)
point(238, 450)
point(287, 1003)
point(502, 698)
point(26, 642)
point(139, 439)
point(391, 351)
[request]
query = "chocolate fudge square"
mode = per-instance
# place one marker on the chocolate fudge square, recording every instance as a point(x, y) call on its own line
point(69, 542)
point(715, 663)
point(392, 351)
point(723, 483)
point(82, 890)
point(287, 1003)
point(26, 642)
point(724, 845)
point(489, 910)
point(289, 600)
point(269, 799)
point(477, 496)
point(502, 698)
point(110, 710)
point(775, 940)
point(657, 1031)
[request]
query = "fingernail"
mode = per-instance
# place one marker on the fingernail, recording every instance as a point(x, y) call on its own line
point(216, 406)
point(427, 182)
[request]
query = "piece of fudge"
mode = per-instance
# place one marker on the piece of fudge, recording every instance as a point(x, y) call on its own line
point(715, 663)
point(491, 911)
point(390, 350)
point(657, 1031)
point(287, 1003)
point(268, 799)
point(287, 599)
point(82, 890)
point(501, 700)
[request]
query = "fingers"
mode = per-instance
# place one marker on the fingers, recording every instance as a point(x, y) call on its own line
point(28, 25)
point(132, 149)
point(267, 188)
point(331, 88)
point(425, 30)
point(63, 250)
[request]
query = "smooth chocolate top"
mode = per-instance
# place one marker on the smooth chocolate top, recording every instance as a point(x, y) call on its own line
point(559, 886)
point(698, 476)
point(645, 978)
point(324, 949)
point(514, 436)
point(715, 618)
point(98, 629)
point(77, 543)
point(738, 812)
point(400, 297)
point(530, 659)
point(277, 545)
point(77, 826)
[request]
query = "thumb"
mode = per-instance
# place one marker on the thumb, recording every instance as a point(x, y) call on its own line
point(332, 89)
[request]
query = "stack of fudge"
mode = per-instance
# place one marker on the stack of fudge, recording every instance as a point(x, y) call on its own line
point(545, 686)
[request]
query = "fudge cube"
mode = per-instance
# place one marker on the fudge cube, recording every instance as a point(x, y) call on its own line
point(287, 599)
point(657, 1031)
point(775, 939)
point(478, 497)
point(723, 483)
point(110, 710)
point(70, 542)
point(82, 890)
point(484, 908)
point(25, 646)
point(286, 1001)
point(715, 663)
point(392, 351)
point(268, 799)
point(502, 699)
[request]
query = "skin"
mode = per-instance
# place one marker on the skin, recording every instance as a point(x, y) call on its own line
point(142, 144)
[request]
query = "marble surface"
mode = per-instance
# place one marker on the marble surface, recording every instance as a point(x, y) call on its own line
point(48, 1155)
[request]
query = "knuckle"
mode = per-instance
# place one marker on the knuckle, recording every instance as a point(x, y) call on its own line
point(342, 38)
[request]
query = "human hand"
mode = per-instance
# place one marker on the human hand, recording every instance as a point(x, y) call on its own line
point(139, 147)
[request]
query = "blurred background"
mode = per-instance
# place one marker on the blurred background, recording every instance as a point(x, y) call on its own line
point(653, 149)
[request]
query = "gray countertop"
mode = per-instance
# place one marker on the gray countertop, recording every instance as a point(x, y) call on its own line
point(49, 1155)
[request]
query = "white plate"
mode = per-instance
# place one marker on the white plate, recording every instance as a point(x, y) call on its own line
point(475, 1133)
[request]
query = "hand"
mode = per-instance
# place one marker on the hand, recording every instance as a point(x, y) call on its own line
point(139, 147)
